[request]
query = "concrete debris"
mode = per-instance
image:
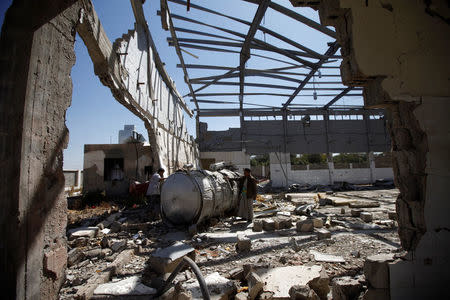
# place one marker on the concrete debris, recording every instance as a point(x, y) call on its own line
point(346, 287)
point(74, 256)
point(342, 211)
point(255, 285)
point(282, 222)
point(241, 296)
point(392, 215)
point(305, 210)
point(280, 280)
point(305, 225)
point(257, 225)
point(366, 216)
point(116, 226)
point(268, 224)
point(166, 259)
point(243, 243)
point(131, 286)
point(326, 257)
point(302, 292)
point(320, 284)
point(376, 270)
point(88, 232)
point(323, 234)
point(355, 212)
point(318, 222)
point(219, 287)
point(118, 245)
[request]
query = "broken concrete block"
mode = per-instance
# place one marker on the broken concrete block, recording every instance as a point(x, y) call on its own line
point(302, 292)
point(55, 261)
point(392, 215)
point(105, 242)
point(166, 259)
point(320, 284)
point(366, 217)
point(74, 256)
point(326, 257)
point(318, 222)
point(115, 227)
point(236, 274)
point(283, 222)
point(346, 287)
point(131, 286)
point(88, 232)
point(355, 212)
point(305, 225)
point(342, 211)
point(268, 224)
point(257, 225)
point(118, 246)
point(97, 252)
point(328, 222)
point(280, 280)
point(376, 270)
point(322, 234)
point(243, 243)
point(255, 285)
point(219, 287)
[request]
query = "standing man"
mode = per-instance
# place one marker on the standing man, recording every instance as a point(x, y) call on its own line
point(154, 188)
point(247, 193)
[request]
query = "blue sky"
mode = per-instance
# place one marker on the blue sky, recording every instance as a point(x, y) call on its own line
point(95, 117)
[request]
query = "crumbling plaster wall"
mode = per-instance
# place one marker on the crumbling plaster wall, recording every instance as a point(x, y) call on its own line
point(398, 50)
point(132, 69)
point(36, 50)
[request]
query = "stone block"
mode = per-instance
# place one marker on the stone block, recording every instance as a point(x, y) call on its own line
point(302, 292)
point(318, 222)
point(255, 285)
point(219, 287)
point(241, 296)
point(131, 286)
point(88, 232)
point(55, 261)
point(305, 226)
point(257, 225)
point(115, 227)
point(243, 243)
point(268, 224)
point(355, 212)
point(376, 270)
point(366, 217)
point(74, 256)
point(118, 245)
point(320, 284)
point(392, 215)
point(346, 287)
point(283, 222)
point(166, 259)
point(322, 234)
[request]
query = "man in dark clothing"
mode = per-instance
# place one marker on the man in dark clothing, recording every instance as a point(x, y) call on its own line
point(247, 193)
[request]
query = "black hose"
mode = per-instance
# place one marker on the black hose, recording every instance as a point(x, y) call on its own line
point(197, 272)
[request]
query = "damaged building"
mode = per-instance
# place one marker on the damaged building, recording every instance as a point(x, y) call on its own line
point(359, 241)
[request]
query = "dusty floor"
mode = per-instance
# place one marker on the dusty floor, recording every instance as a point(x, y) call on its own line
point(352, 240)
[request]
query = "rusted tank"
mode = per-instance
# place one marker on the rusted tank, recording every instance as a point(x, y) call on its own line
point(194, 196)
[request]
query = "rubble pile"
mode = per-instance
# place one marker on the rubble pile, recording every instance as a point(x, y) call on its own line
point(299, 246)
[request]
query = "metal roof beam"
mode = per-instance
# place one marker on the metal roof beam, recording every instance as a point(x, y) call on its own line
point(342, 94)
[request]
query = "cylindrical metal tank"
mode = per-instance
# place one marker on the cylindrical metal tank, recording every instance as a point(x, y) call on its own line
point(192, 197)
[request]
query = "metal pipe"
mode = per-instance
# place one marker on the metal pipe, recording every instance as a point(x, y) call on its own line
point(194, 196)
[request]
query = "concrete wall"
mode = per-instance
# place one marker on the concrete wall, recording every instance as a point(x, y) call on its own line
point(398, 50)
point(36, 50)
point(281, 169)
point(93, 168)
point(73, 178)
point(320, 136)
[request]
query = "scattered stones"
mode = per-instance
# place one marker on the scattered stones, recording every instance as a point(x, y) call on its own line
point(282, 222)
point(241, 296)
point(392, 215)
point(366, 217)
point(74, 256)
point(355, 212)
point(320, 284)
point(105, 242)
point(346, 287)
point(257, 225)
point(376, 270)
point(342, 211)
point(243, 243)
point(119, 245)
point(322, 234)
point(219, 287)
point(131, 286)
point(305, 225)
point(268, 224)
point(115, 227)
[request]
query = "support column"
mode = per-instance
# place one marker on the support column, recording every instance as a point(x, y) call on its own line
point(330, 167)
point(371, 166)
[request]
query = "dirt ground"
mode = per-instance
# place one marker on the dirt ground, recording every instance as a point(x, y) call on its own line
point(352, 239)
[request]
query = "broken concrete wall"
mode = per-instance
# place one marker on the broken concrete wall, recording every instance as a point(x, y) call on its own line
point(132, 69)
point(399, 52)
point(37, 56)
point(238, 158)
point(135, 158)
